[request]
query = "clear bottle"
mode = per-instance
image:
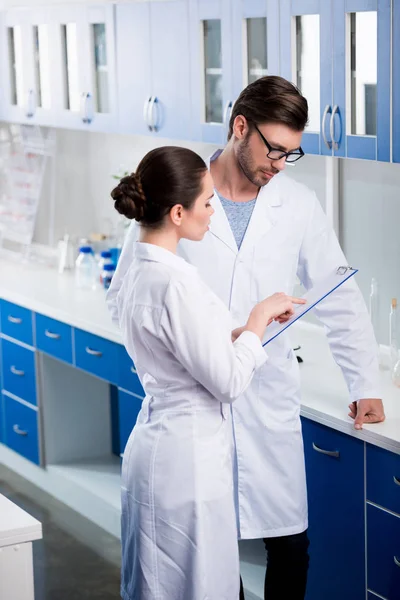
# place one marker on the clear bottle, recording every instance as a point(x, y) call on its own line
point(105, 259)
point(374, 305)
point(396, 374)
point(85, 269)
point(393, 334)
point(107, 275)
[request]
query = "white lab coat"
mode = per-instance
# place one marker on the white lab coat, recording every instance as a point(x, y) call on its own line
point(288, 235)
point(179, 529)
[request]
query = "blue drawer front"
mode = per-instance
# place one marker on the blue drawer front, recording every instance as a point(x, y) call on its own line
point(96, 355)
point(19, 371)
point(383, 478)
point(21, 429)
point(16, 322)
point(54, 338)
point(383, 532)
point(128, 410)
point(127, 377)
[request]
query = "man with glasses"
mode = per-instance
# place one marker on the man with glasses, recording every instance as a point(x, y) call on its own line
point(266, 229)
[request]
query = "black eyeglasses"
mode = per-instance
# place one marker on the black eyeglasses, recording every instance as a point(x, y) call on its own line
point(276, 154)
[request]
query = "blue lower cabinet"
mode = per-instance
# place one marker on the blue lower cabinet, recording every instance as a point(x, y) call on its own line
point(96, 355)
point(16, 322)
point(383, 543)
point(128, 410)
point(21, 428)
point(372, 596)
point(127, 376)
point(335, 483)
point(383, 478)
point(54, 338)
point(18, 369)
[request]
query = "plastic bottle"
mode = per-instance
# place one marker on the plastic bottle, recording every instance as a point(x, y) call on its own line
point(105, 259)
point(393, 333)
point(107, 275)
point(85, 269)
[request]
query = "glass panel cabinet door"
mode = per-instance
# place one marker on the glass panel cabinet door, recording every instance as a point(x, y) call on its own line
point(306, 60)
point(361, 79)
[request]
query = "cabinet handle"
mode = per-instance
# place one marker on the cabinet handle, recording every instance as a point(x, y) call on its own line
point(15, 320)
point(19, 431)
point(154, 124)
point(146, 113)
point(332, 127)
point(93, 352)
point(16, 371)
point(86, 100)
point(396, 480)
point(396, 561)
point(31, 109)
point(51, 335)
point(227, 113)
point(328, 143)
point(334, 453)
point(135, 373)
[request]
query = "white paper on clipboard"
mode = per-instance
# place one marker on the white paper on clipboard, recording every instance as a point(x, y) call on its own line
point(313, 297)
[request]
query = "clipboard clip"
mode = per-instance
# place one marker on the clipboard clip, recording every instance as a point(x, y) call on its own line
point(343, 270)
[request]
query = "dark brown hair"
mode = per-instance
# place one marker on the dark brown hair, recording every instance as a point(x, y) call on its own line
point(165, 177)
point(271, 99)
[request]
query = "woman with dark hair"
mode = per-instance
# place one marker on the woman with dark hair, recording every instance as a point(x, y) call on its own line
point(179, 528)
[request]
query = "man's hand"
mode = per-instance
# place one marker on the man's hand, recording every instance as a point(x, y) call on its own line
point(367, 410)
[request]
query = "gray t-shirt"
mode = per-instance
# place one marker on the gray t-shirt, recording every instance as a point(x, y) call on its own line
point(238, 214)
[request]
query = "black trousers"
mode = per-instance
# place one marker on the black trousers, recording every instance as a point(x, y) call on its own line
point(287, 566)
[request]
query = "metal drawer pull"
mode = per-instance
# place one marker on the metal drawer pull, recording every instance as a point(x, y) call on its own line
point(16, 371)
point(135, 373)
point(334, 453)
point(15, 320)
point(396, 480)
point(396, 561)
point(93, 352)
point(19, 431)
point(51, 335)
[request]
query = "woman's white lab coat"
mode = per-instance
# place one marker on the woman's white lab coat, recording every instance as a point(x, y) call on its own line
point(179, 528)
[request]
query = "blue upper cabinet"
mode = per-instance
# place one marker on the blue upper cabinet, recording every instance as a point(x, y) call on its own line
point(85, 77)
point(306, 59)
point(396, 80)
point(361, 78)
point(338, 53)
point(211, 46)
point(154, 69)
point(255, 52)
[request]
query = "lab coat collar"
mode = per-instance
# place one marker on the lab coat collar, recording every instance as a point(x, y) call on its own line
point(154, 253)
point(262, 219)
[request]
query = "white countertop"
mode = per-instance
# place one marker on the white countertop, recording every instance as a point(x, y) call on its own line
point(16, 525)
point(324, 393)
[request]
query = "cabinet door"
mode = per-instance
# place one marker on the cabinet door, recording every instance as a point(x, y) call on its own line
point(255, 27)
point(306, 60)
point(86, 79)
point(383, 531)
point(212, 71)
point(396, 80)
point(335, 482)
point(361, 78)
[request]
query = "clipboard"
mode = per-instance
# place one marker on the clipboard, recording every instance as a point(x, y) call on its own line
point(313, 297)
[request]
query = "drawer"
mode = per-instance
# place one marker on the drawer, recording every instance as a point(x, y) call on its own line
point(16, 322)
point(127, 376)
point(21, 428)
point(54, 338)
point(383, 478)
point(96, 355)
point(383, 543)
point(128, 409)
point(19, 371)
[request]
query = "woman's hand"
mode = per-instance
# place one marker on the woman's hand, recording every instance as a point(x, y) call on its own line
point(278, 307)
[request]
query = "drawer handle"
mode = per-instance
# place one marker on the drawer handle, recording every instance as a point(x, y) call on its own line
point(16, 371)
point(51, 335)
point(15, 320)
point(396, 480)
point(334, 453)
point(93, 352)
point(19, 431)
point(135, 373)
point(396, 561)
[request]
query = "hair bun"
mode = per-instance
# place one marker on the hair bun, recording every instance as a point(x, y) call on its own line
point(129, 198)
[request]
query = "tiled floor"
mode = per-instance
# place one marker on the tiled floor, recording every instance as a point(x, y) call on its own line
point(75, 560)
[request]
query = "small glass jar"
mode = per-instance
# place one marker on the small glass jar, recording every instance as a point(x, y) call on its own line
point(107, 275)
